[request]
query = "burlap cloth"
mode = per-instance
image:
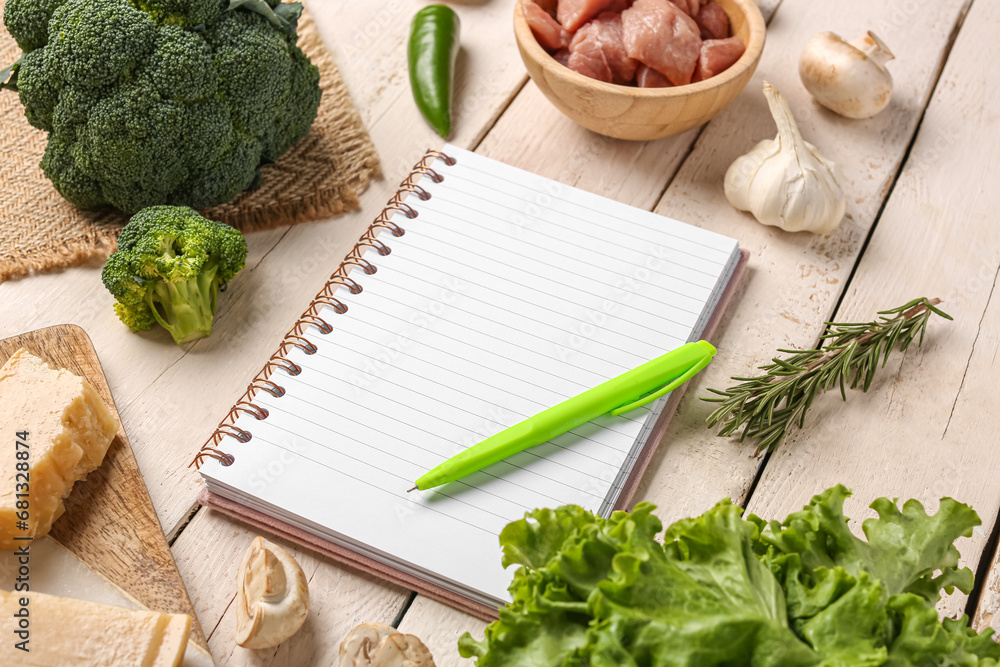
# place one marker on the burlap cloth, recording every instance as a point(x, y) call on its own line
point(318, 178)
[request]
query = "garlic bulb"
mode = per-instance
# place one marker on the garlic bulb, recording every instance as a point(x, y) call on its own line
point(849, 78)
point(785, 182)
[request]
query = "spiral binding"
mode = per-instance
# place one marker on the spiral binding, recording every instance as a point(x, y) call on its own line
point(324, 298)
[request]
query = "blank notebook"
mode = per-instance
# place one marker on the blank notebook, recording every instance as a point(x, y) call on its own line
point(506, 293)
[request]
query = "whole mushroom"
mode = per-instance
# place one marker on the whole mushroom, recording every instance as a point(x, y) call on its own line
point(380, 645)
point(849, 78)
point(273, 596)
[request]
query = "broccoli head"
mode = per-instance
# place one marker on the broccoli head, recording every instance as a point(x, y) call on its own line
point(150, 102)
point(168, 269)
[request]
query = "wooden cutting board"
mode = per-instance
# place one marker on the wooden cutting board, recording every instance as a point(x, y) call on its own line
point(110, 523)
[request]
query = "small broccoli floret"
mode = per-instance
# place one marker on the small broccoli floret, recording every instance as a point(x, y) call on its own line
point(38, 89)
point(98, 42)
point(251, 83)
point(168, 269)
point(185, 13)
point(77, 187)
point(182, 66)
point(28, 21)
point(300, 108)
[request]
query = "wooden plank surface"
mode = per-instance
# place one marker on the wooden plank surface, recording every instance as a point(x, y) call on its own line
point(209, 552)
point(285, 277)
point(922, 431)
point(261, 306)
point(795, 280)
point(439, 627)
point(157, 381)
point(110, 523)
point(795, 283)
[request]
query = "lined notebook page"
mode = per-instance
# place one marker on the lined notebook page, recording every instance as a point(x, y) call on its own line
point(508, 294)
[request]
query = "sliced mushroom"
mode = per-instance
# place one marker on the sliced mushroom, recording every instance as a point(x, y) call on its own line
point(380, 645)
point(273, 596)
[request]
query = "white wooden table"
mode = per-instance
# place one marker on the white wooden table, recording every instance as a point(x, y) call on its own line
point(924, 198)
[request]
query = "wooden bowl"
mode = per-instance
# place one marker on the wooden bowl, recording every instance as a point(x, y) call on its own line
point(625, 112)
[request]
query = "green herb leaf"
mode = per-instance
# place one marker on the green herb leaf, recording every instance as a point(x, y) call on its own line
point(290, 12)
point(784, 394)
point(8, 77)
point(284, 17)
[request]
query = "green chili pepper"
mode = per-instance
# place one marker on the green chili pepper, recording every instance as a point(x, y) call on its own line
point(434, 41)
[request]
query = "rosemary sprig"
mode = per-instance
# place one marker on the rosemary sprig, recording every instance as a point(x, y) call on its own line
point(765, 406)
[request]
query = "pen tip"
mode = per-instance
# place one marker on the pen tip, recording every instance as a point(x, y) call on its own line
point(413, 489)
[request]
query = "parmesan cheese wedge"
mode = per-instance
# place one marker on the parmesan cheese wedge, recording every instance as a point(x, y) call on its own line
point(56, 571)
point(73, 633)
point(69, 430)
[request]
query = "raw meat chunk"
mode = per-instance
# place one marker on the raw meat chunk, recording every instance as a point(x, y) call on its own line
point(713, 21)
point(660, 35)
point(562, 57)
point(572, 14)
point(718, 55)
point(689, 7)
point(547, 31)
point(647, 77)
point(598, 51)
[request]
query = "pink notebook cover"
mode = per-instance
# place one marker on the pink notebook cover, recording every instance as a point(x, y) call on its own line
point(353, 559)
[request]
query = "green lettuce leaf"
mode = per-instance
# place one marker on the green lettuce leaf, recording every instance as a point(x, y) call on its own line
point(921, 639)
point(540, 536)
point(903, 550)
point(703, 598)
point(850, 631)
point(721, 590)
point(548, 621)
point(605, 592)
point(837, 586)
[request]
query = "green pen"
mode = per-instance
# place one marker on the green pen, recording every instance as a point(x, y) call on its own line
point(617, 396)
